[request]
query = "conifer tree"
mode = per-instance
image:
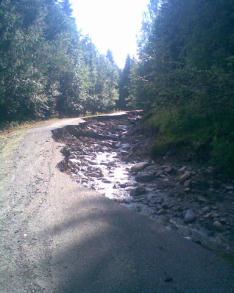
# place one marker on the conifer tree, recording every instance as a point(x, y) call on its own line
point(124, 84)
point(46, 66)
point(184, 76)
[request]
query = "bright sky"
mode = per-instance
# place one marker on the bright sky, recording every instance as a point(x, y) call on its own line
point(111, 24)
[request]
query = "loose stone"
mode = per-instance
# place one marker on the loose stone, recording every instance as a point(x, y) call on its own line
point(139, 166)
point(145, 177)
point(138, 191)
point(185, 176)
point(218, 226)
point(189, 216)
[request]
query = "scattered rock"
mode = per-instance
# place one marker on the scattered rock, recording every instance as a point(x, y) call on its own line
point(139, 166)
point(138, 191)
point(205, 209)
point(97, 174)
point(182, 169)
point(123, 185)
point(223, 221)
point(201, 199)
point(189, 216)
point(105, 180)
point(161, 212)
point(145, 177)
point(229, 188)
point(185, 176)
point(208, 216)
point(106, 162)
point(169, 170)
point(187, 189)
point(218, 226)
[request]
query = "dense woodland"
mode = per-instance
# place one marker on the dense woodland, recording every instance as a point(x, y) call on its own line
point(183, 76)
point(47, 67)
point(184, 79)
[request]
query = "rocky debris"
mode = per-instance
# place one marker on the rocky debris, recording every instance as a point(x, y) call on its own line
point(139, 166)
point(185, 176)
point(145, 177)
point(110, 155)
point(201, 199)
point(229, 187)
point(218, 226)
point(189, 216)
point(169, 169)
point(138, 191)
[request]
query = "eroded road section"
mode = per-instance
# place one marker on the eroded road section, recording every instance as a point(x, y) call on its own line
point(111, 156)
point(58, 236)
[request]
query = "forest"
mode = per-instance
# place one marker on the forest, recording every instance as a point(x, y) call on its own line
point(47, 67)
point(182, 78)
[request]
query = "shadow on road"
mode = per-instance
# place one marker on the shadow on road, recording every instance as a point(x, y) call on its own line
point(101, 247)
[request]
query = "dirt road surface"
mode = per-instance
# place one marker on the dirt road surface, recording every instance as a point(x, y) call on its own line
point(57, 236)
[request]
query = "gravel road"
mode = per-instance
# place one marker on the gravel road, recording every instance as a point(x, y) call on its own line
point(57, 236)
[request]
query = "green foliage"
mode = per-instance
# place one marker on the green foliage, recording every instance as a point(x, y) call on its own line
point(184, 78)
point(223, 154)
point(46, 66)
point(127, 85)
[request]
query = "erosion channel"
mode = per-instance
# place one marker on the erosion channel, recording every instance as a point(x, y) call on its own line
point(110, 154)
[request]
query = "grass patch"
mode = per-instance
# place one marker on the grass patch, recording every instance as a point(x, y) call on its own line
point(9, 127)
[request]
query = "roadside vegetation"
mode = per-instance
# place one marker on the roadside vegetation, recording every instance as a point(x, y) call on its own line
point(184, 79)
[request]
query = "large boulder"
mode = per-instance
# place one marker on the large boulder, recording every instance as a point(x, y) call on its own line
point(139, 166)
